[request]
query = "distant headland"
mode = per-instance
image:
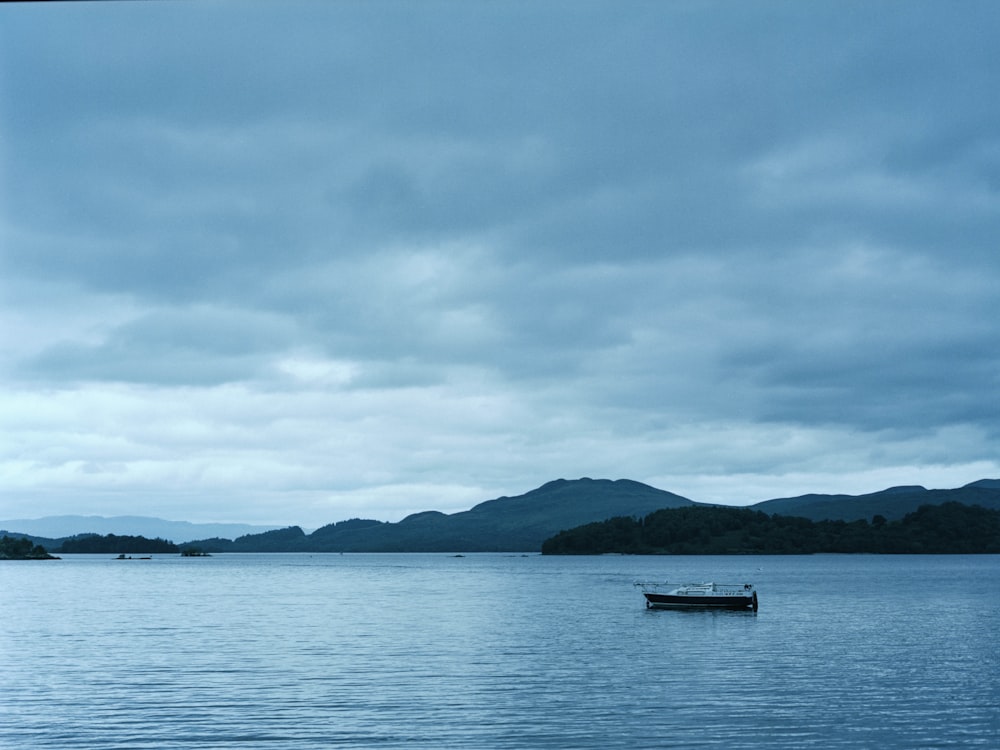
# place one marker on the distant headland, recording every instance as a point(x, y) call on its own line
point(949, 528)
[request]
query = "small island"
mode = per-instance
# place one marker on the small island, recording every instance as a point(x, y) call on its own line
point(22, 549)
point(90, 544)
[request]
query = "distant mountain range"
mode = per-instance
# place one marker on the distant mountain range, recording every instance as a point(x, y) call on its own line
point(56, 527)
point(518, 523)
point(892, 503)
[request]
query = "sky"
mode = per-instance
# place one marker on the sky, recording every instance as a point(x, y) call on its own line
point(299, 262)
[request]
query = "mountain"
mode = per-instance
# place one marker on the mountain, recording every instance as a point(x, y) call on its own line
point(55, 527)
point(519, 523)
point(892, 503)
point(992, 484)
point(507, 524)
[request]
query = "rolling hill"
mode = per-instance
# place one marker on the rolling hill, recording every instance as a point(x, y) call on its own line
point(509, 524)
point(892, 503)
point(515, 524)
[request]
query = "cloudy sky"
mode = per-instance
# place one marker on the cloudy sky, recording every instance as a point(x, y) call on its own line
point(301, 262)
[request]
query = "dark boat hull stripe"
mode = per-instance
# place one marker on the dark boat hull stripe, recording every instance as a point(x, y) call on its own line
point(718, 602)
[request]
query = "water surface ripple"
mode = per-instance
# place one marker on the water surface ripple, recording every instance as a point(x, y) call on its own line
point(496, 651)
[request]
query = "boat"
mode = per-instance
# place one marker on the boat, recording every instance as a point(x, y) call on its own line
point(700, 595)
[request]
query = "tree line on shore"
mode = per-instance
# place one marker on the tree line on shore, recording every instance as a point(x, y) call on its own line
point(116, 544)
point(17, 548)
point(949, 528)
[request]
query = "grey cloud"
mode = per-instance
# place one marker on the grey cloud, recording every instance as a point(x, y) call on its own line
point(623, 223)
point(195, 346)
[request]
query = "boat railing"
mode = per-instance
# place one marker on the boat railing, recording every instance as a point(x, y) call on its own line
point(733, 589)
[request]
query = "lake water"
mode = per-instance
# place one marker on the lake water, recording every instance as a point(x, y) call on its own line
point(496, 651)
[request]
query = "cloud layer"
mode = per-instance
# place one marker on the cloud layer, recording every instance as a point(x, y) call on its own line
point(296, 263)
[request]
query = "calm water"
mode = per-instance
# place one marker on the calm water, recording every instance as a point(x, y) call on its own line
point(496, 651)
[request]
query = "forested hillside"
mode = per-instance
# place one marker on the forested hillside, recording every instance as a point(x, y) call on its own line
point(22, 549)
point(945, 529)
point(115, 544)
